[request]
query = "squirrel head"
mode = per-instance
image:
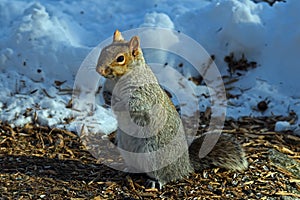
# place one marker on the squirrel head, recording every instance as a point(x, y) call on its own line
point(117, 58)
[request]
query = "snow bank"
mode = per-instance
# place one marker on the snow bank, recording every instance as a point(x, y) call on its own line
point(43, 44)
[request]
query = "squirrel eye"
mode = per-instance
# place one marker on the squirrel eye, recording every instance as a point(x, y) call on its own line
point(120, 59)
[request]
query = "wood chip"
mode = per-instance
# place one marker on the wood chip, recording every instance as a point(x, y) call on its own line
point(40, 159)
point(284, 193)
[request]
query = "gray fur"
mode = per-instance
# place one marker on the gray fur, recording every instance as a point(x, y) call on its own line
point(156, 141)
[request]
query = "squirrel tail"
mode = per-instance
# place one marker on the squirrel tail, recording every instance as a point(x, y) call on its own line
point(227, 153)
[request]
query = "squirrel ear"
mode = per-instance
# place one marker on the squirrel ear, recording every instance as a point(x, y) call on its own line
point(117, 36)
point(134, 43)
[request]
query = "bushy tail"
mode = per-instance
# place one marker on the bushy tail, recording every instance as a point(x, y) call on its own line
point(227, 153)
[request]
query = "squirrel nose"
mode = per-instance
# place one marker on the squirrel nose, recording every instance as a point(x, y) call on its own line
point(103, 70)
point(100, 70)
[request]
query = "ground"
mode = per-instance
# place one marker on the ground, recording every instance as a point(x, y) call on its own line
point(38, 162)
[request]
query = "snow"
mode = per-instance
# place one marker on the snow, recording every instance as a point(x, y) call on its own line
point(286, 126)
point(43, 45)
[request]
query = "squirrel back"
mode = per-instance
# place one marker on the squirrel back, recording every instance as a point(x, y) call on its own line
point(150, 133)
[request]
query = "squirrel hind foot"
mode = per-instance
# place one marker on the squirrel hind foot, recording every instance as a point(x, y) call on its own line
point(151, 183)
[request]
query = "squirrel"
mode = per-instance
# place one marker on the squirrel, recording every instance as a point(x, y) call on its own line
point(123, 65)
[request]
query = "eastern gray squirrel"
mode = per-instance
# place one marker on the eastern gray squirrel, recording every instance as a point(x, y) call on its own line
point(124, 59)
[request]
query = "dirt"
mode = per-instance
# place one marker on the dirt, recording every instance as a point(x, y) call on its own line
point(38, 162)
